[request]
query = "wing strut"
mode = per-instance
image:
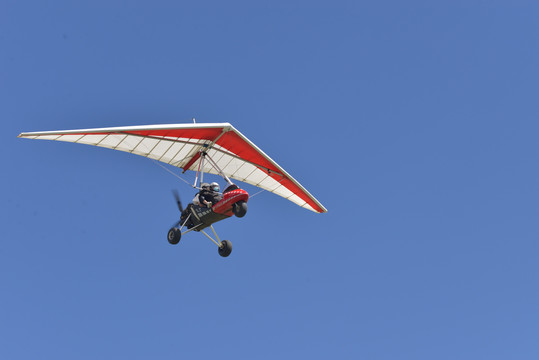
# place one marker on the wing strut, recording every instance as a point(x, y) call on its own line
point(216, 167)
point(200, 166)
point(203, 155)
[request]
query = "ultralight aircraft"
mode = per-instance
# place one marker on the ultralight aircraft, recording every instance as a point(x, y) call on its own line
point(216, 148)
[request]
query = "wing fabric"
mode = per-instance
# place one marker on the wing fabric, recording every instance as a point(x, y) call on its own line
point(180, 145)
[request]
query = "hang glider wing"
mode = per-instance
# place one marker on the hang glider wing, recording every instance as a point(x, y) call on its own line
point(180, 145)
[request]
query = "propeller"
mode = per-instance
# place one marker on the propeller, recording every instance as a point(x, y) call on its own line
point(178, 201)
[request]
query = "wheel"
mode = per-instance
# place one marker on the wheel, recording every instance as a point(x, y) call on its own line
point(226, 249)
point(174, 236)
point(240, 208)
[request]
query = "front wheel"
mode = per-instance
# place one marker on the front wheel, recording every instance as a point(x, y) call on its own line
point(174, 236)
point(240, 209)
point(226, 249)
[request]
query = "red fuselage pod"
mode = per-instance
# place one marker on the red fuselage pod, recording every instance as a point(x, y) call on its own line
point(224, 206)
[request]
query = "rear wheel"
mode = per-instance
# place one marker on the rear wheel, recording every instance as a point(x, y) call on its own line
point(240, 208)
point(174, 236)
point(226, 249)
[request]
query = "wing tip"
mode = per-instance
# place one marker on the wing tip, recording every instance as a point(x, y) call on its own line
point(323, 210)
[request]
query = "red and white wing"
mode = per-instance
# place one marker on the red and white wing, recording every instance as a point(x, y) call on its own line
point(179, 145)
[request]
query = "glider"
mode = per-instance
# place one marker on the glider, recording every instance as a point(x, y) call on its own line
point(215, 148)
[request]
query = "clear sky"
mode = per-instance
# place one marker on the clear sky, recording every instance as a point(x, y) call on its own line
point(414, 122)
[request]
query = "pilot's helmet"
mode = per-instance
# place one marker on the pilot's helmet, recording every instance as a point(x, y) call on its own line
point(215, 186)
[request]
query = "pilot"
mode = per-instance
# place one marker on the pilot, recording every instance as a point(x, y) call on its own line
point(215, 187)
point(209, 195)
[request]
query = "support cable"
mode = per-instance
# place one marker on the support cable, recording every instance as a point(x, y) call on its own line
point(173, 173)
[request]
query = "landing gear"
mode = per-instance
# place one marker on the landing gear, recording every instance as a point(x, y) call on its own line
point(240, 209)
point(174, 235)
point(226, 248)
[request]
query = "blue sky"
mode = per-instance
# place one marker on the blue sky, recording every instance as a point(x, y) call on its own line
point(414, 123)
